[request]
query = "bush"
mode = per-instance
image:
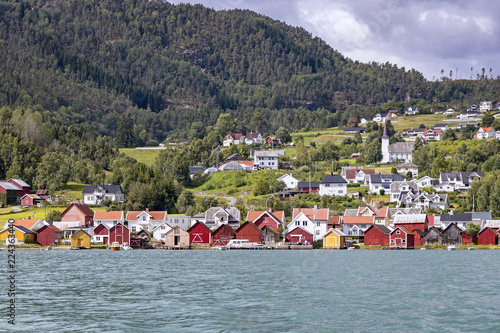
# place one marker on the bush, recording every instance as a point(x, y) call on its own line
point(152, 143)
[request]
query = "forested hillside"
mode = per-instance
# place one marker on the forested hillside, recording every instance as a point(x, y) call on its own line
point(174, 68)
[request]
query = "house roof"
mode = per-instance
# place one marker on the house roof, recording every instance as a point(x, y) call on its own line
point(26, 223)
point(42, 192)
point(9, 186)
point(466, 217)
point(245, 224)
point(81, 207)
point(382, 228)
point(406, 230)
point(334, 219)
point(267, 153)
point(235, 157)
point(407, 165)
point(285, 176)
point(235, 136)
point(299, 228)
point(410, 218)
point(401, 147)
point(486, 129)
point(233, 213)
point(159, 215)
point(271, 228)
point(333, 179)
point(52, 227)
point(253, 215)
point(311, 213)
point(308, 184)
point(20, 182)
point(351, 212)
point(111, 215)
point(193, 169)
point(412, 185)
point(394, 211)
point(32, 196)
point(335, 231)
point(107, 188)
point(357, 220)
point(377, 178)
point(253, 135)
point(199, 223)
point(377, 211)
point(24, 230)
point(226, 226)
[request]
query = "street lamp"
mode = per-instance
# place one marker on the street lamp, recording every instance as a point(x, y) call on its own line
point(271, 196)
point(215, 198)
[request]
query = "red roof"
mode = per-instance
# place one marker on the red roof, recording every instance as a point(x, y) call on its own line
point(378, 211)
point(253, 215)
point(430, 219)
point(311, 213)
point(334, 219)
point(103, 215)
point(82, 207)
point(27, 223)
point(53, 227)
point(235, 136)
point(155, 215)
point(357, 219)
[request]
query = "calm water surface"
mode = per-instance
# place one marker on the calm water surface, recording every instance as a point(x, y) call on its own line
point(256, 291)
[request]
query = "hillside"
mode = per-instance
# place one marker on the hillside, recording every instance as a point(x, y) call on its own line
point(89, 62)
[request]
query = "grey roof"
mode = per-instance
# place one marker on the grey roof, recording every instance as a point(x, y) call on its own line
point(462, 176)
point(308, 184)
point(351, 212)
point(466, 217)
point(234, 214)
point(440, 125)
point(410, 218)
point(252, 135)
point(23, 229)
point(268, 153)
point(383, 228)
point(107, 188)
point(20, 182)
point(235, 157)
point(354, 129)
point(377, 178)
point(9, 186)
point(401, 147)
point(392, 211)
point(397, 184)
point(193, 169)
point(333, 179)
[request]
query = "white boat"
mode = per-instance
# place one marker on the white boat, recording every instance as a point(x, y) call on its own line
point(219, 248)
point(242, 244)
point(351, 248)
point(423, 248)
point(125, 246)
point(452, 247)
point(471, 248)
point(115, 246)
point(48, 248)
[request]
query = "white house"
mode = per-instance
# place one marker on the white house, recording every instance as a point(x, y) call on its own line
point(485, 106)
point(469, 115)
point(214, 217)
point(289, 180)
point(333, 185)
point(443, 127)
point(233, 139)
point(444, 187)
point(266, 159)
point(160, 230)
point(253, 137)
point(110, 218)
point(381, 117)
point(394, 152)
point(382, 181)
point(181, 220)
point(145, 220)
point(399, 188)
point(314, 220)
point(461, 181)
point(427, 181)
point(411, 111)
point(356, 174)
point(485, 133)
point(404, 168)
point(95, 194)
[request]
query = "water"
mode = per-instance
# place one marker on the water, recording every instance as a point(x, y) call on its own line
point(255, 291)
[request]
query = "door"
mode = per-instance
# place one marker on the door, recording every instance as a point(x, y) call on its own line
point(119, 239)
point(398, 241)
point(176, 240)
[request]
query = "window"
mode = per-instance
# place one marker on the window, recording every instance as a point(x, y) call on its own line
point(297, 222)
point(162, 235)
point(403, 241)
point(317, 232)
point(144, 218)
point(392, 240)
point(162, 227)
point(133, 229)
point(398, 232)
point(98, 238)
point(304, 222)
point(318, 224)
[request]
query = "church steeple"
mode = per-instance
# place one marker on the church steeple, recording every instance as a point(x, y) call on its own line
point(385, 131)
point(385, 146)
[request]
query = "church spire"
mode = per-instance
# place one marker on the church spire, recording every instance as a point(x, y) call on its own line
point(385, 131)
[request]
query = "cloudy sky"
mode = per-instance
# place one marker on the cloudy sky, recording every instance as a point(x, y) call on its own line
point(428, 35)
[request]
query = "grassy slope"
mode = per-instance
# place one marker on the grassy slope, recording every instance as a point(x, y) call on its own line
point(146, 156)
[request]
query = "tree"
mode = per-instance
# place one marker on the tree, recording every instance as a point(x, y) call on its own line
point(488, 119)
point(439, 165)
point(185, 200)
point(449, 134)
point(358, 138)
point(394, 170)
point(409, 175)
point(352, 122)
point(53, 172)
point(261, 187)
point(371, 126)
point(53, 215)
point(125, 137)
point(373, 152)
point(284, 135)
point(472, 229)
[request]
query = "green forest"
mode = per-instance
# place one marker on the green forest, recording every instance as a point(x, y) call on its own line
point(79, 79)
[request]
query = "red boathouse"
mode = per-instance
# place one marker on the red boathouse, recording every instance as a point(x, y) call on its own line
point(403, 238)
point(101, 234)
point(119, 233)
point(299, 235)
point(48, 235)
point(487, 236)
point(222, 235)
point(250, 231)
point(377, 235)
point(200, 234)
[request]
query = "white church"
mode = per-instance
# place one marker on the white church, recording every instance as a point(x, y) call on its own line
point(396, 152)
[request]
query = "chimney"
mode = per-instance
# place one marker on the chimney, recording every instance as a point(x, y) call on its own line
point(222, 205)
point(147, 210)
point(77, 200)
point(315, 207)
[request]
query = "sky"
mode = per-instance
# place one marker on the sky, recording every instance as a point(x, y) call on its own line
point(427, 35)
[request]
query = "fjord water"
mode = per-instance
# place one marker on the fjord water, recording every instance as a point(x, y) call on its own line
point(256, 291)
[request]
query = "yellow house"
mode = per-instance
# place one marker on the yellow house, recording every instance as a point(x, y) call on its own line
point(80, 239)
point(20, 233)
point(334, 239)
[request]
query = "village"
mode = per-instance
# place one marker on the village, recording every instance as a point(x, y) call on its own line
point(405, 211)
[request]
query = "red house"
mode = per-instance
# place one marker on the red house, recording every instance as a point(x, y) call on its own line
point(101, 234)
point(222, 235)
point(377, 235)
point(467, 239)
point(119, 233)
point(24, 187)
point(412, 222)
point(487, 236)
point(200, 234)
point(78, 212)
point(403, 238)
point(299, 235)
point(48, 235)
point(250, 231)
point(29, 200)
point(263, 218)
